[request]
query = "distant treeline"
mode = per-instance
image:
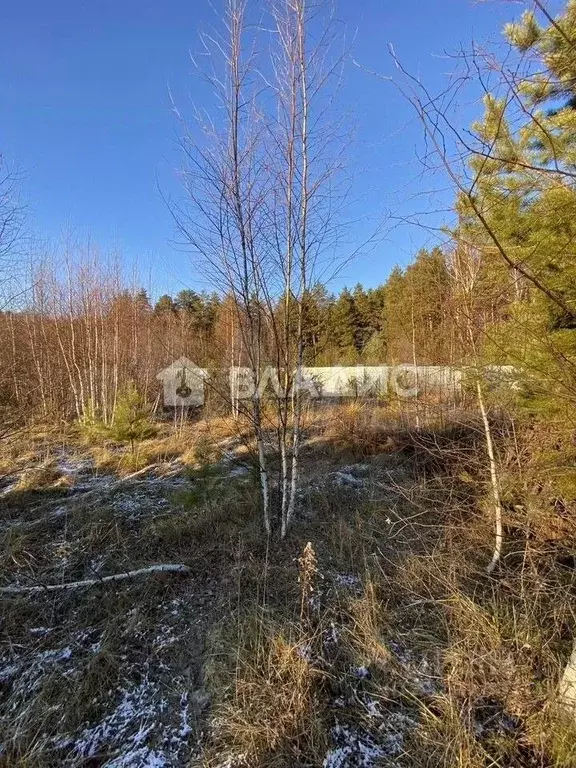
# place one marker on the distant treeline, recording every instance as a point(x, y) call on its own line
point(83, 336)
point(355, 326)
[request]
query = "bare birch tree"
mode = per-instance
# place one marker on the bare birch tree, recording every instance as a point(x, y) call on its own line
point(224, 219)
point(307, 145)
point(12, 220)
point(465, 267)
point(261, 199)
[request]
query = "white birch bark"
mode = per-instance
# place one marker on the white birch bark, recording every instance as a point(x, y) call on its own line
point(494, 482)
point(37, 588)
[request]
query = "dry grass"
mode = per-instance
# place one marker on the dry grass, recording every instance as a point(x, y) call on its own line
point(266, 674)
point(44, 475)
point(503, 640)
point(469, 664)
point(33, 445)
point(359, 429)
point(367, 628)
point(267, 711)
point(194, 444)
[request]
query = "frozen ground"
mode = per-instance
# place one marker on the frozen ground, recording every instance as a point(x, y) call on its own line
point(112, 676)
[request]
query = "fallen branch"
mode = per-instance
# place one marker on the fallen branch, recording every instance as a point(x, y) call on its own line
point(166, 568)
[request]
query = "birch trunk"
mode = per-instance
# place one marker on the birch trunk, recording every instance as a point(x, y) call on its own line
point(567, 687)
point(493, 480)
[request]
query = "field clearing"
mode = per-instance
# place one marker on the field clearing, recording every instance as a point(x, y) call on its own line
point(348, 644)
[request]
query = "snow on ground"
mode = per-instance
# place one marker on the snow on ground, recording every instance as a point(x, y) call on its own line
point(134, 733)
point(348, 580)
point(149, 718)
point(354, 476)
point(353, 749)
point(146, 721)
point(421, 672)
point(380, 744)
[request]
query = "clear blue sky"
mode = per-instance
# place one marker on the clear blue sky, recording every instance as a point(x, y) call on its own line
point(85, 113)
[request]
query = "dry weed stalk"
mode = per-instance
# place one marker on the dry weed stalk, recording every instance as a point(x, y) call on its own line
point(308, 573)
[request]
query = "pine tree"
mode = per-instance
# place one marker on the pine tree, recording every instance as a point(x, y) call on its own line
point(316, 306)
point(427, 288)
point(131, 418)
point(344, 324)
point(397, 318)
point(165, 304)
point(525, 194)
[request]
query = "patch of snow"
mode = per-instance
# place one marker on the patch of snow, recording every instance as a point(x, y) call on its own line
point(27, 674)
point(60, 654)
point(372, 707)
point(96, 565)
point(347, 479)
point(135, 731)
point(239, 471)
point(68, 464)
point(357, 469)
point(7, 490)
point(233, 761)
point(147, 722)
point(353, 748)
point(356, 748)
point(143, 757)
point(393, 730)
point(185, 727)
point(166, 636)
point(127, 505)
point(347, 580)
point(8, 671)
point(305, 652)
point(417, 668)
point(362, 673)
point(331, 635)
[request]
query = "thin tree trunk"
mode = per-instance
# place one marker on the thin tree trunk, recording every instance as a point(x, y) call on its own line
point(567, 687)
point(493, 480)
point(262, 467)
point(415, 363)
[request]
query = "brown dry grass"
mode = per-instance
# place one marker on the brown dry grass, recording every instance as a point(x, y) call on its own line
point(496, 645)
point(44, 475)
point(504, 639)
point(193, 443)
point(267, 710)
point(359, 429)
point(499, 643)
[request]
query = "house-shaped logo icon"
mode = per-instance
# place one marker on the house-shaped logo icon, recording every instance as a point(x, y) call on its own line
point(183, 383)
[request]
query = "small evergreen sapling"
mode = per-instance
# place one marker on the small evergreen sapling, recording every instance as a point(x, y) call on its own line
point(131, 418)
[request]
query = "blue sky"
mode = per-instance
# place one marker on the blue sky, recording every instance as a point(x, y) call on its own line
point(85, 114)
